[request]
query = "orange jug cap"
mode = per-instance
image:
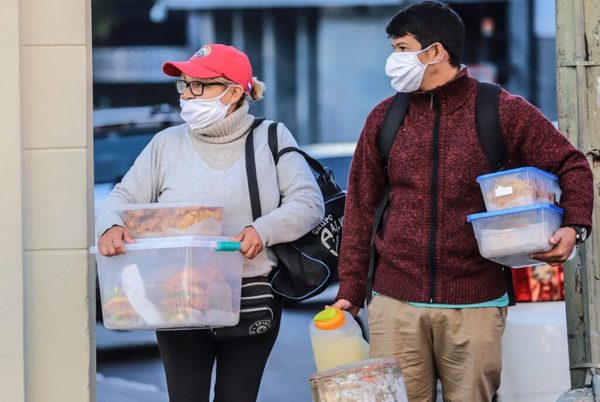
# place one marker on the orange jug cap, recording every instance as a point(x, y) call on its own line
point(330, 318)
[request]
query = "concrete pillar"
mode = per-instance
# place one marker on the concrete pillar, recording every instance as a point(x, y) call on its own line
point(269, 68)
point(519, 21)
point(46, 279)
point(200, 29)
point(12, 339)
point(238, 32)
point(303, 78)
point(578, 79)
point(285, 63)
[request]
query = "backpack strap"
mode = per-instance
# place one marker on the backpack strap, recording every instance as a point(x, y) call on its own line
point(490, 137)
point(488, 125)
point(251, 171)
point(394, 116)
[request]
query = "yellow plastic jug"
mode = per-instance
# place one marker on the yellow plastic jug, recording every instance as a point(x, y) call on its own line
point(336, 339)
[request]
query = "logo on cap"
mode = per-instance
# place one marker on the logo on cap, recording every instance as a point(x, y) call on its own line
point(203, 52)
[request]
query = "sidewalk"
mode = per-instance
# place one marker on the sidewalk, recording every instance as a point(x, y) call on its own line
point(113, 389)
point(287, 371)
point(111, 340)
point(120, 390)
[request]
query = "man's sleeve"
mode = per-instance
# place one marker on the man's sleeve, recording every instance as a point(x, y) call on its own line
point(532, 140)
point(366, 185)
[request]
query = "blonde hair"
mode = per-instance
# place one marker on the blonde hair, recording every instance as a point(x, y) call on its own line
point(258, 89)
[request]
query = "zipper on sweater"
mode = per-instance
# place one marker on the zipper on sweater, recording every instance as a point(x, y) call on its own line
point(435, 104)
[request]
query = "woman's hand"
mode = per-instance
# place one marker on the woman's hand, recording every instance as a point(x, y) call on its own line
point(112, 241)
point(251, 244)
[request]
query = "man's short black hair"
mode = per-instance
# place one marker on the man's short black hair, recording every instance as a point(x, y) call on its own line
point(430, 22)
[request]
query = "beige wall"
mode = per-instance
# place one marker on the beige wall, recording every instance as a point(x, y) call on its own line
point(12, 347)
point(46, 281)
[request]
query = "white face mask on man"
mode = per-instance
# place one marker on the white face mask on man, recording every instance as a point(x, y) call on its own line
point(201, 113)
point(406, 70)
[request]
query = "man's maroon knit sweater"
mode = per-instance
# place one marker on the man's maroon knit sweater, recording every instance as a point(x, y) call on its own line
point(427, 251)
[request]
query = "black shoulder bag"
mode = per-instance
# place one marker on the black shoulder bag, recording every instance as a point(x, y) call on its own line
point(306, 265)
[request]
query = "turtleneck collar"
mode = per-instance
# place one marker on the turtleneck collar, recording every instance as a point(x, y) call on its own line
point(227, 130)
point(452, 94)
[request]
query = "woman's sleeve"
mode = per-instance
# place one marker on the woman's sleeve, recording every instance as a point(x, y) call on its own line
point(302, 206)
point(137, 186)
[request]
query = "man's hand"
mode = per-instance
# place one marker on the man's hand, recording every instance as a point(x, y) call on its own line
point(112, 241)
point(344, 304)
point(563, 242)
point(251, 244)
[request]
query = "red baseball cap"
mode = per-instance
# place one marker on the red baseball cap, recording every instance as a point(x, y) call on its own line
point(213, 61)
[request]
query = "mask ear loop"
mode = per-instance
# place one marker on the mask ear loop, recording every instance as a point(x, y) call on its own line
point(227, 89)
point(434, 62)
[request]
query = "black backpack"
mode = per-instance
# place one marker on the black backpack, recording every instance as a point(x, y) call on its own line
point(490, 137)
point(306, 265)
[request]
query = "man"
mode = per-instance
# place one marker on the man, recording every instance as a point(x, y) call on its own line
point(438, 305)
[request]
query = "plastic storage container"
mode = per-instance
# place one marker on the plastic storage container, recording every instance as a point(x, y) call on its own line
point(510, 235)
point(518, 188)
point(336, 339)
point(172, 219)
point(172, 282)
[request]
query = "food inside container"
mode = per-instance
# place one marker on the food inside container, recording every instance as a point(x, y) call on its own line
point(172, 219)
point(188, 296)
point(173, 282)
point(519, 187)
point(510, 235)
point(117, 311)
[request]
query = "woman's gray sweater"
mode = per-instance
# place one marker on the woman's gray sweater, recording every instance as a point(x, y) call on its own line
point(208, 166)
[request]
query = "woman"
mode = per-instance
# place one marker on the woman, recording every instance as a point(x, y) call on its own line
point(203, 161)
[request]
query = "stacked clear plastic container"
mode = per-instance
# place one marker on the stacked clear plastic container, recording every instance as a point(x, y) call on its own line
point(165, 281)
point(522, 215)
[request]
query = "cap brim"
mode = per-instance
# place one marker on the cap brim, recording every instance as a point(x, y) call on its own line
point(176, 68)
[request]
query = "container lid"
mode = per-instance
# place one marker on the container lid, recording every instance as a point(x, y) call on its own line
point(216, 243)
point(157, 205)
point(510, 211)
point(518, 170)
point(330, 318)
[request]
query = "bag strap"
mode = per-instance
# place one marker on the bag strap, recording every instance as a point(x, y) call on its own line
point(488, 125)
point(251, 171)
point(273, 141)
point(314, 164)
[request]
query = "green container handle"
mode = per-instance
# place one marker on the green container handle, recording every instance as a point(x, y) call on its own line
point(228, 246)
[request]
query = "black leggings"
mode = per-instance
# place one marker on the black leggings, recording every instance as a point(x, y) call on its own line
point(189, 355)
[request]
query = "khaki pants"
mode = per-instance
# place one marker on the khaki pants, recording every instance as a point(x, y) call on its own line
point(461, 347)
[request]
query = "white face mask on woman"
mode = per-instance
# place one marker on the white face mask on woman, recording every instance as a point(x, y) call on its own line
point(406, 70)
point(201, 113)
